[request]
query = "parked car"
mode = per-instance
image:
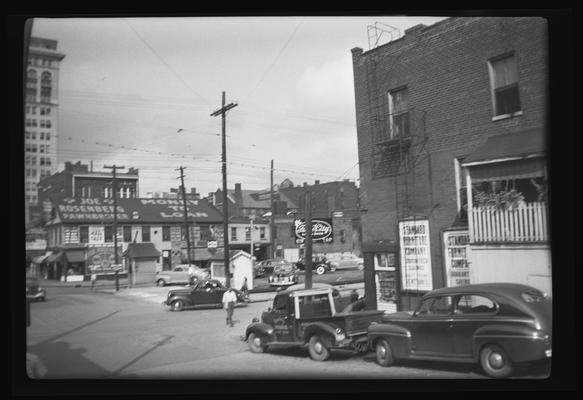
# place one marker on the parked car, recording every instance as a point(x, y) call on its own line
point(265, 267)
point(496, 325)
point(180, 275)
point(308, 318)
point(33, 290)
point(346, 261)
point(284, 274)
point(320, 265)
point(207, 293)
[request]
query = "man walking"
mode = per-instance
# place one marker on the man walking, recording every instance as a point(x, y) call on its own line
point(229, 299)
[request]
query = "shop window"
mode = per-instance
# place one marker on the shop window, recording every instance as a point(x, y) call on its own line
point(127, 234)
point(166, 233)
point(84, 234)
point(108, 233)
point(146, 233)
point(504, 85)
point(262, 233)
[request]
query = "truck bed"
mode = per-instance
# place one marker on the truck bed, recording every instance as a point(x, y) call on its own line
point(355, 322)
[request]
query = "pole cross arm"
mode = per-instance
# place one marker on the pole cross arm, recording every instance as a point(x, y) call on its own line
point(224, 109)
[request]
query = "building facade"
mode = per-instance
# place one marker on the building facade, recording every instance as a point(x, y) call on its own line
point(81, 242)
point(41, 114)
point(440, 112)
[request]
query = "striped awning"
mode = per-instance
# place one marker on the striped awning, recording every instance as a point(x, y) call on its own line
point(519, 169)
point(55, 257)
point(40, 259)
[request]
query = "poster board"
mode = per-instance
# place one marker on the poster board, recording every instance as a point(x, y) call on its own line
point(415, 252)
point(456, 260)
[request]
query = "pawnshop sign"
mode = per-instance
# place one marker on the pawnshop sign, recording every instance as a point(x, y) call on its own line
point(321, 230)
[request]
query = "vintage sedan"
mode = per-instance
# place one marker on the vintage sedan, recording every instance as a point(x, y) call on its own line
point(346, 261)
point(33, 290)
point(320, 265)
point(180, 275)
point(284, 274)
point(205, 293)
point(265, 267)
point(497, 325)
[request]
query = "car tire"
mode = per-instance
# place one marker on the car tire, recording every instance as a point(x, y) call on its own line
point(384, 353)
point(160, 283)
point(495, 362)
point(177, 305)
point(332, 268)
point(317, 348)
point(320, 270)
point(255, 344)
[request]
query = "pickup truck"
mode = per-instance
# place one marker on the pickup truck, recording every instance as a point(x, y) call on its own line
point(309, 318)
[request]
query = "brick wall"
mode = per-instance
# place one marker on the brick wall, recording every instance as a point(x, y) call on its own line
point(445, 70)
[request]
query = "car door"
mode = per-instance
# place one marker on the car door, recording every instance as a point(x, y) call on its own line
point(179, 275)
point(471, 312)
point(283, 318)
point(431, 327)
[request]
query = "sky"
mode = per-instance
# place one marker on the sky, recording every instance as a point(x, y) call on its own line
point(138, 92)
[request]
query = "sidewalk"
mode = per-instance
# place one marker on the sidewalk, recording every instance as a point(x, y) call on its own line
point(153, 291)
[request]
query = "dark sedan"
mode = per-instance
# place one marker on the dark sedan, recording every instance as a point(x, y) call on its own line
point(320, 265)
point(206, 293)
point(497, 325)
point(33, 290)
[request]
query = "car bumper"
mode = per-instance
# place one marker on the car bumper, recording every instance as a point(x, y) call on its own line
point(285, 283)
point(36, 296)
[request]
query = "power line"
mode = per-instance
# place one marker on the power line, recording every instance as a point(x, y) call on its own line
point(164, 62)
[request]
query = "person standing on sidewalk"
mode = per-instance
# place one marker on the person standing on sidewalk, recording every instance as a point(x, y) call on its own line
point(229, 299)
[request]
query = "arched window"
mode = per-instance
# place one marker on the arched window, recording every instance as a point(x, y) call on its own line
point(46, 82)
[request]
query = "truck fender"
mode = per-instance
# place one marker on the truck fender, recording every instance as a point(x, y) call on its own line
point(260, 329)
point(399, 338)
point(328, 332)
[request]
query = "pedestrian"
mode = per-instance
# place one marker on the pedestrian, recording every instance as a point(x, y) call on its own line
point(93, 279)
point(353, 296)
point(229, 299)
point(245, 288)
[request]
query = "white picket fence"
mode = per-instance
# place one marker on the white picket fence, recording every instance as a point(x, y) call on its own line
point(525, 223)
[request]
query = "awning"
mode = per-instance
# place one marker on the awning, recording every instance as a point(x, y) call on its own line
point(75, 256)
point(508, 147)
point(142, 250)
point(40, 259)
point(519, 169)
point(55, 257)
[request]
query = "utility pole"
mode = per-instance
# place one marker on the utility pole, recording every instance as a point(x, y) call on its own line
point(222, 112)
point(114, 168)
point(308, 251)
point(272, 216)
point(185, 214)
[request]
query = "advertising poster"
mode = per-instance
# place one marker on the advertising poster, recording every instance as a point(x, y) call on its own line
point(71, 234)
point(456, 260)
point(101, 259)
point(385, 265)
point(96, 234)
point(321, 230)
point(415, 255)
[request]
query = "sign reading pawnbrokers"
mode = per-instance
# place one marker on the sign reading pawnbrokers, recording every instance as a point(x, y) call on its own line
point(415, 255)
point(321, 230)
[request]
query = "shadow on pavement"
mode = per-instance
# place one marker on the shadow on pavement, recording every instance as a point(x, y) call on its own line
point(63, 362)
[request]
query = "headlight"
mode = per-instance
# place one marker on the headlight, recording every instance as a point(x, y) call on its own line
point(339, 331)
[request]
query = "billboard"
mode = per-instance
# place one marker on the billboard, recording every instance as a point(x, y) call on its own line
point(415, 255)
point(321, 230)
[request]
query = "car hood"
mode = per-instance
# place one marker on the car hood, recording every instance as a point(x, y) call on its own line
point(397, 316)
point(180, 291)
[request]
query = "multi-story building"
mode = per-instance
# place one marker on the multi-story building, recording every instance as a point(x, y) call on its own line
point(81, 235)
point(41, 114)
point(174, 193)
point(81, 181)
point(451, 139)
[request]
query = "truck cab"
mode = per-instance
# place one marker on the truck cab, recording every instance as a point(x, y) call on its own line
point(309, 318)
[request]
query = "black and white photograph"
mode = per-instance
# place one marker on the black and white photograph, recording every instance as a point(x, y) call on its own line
point(288, 198)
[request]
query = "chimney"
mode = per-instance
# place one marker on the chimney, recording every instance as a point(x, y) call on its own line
point(317, 182)
point(305, 184)
point(238, 194)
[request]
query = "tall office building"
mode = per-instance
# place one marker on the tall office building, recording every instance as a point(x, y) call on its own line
point(41, 108)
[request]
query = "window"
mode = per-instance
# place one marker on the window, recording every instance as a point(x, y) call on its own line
point(504, 85)
point(342, 236)
point(42, 160)
point(48, 135)
point(247, 233)
point(317, 305)
point(45, 86)
point(108, 233)
point(127, 233)
point(27, 134)
point(84, 234)
point(33, 135)
point(282, 304)
point(33, 173)
point(435, 306)
point(145, 233)
point(233, 233)
point(42, 136)
point(398, 114)
point(262, 233)
point(107, 192)
point(166, 233)
point(472, 304)
point(41, 148)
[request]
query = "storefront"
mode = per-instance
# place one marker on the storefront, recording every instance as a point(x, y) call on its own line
point(140, 260)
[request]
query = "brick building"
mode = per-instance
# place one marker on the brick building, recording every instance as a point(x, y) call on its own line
point(449, 116)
